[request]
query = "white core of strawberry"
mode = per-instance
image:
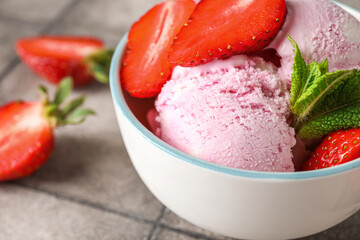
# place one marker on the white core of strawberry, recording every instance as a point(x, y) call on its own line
point(30, 121)
point(243, 4)
point(160, 36)
point(80, 49)
point(86, 51)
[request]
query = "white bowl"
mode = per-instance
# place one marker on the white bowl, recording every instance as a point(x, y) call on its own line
point(233, 202)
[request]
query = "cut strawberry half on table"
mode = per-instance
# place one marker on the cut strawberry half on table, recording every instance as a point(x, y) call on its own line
point(56, 57)
point(145, 66)
point(337, 148)
point(220, 29)
point(27, 130)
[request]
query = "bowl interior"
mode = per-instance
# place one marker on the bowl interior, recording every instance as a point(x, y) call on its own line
point(135, 110)
point(139, 107)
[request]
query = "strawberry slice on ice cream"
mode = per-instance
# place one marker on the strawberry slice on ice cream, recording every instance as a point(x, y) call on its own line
point(145, 66)
point(220, 29)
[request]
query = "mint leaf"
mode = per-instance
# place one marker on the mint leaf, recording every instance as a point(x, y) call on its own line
point(322, 124)
point(323, 102)
point(321, 86)
point(347, 91)
point(299, 75)
point(303, 77)
point(324, 66)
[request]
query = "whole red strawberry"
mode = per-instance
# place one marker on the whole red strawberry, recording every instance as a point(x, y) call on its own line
point(220, 29)
point(27, 130)
point(337, 148)
point(56, 57)
point(146, 66)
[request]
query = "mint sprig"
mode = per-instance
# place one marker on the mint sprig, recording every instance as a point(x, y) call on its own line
point(323, 102)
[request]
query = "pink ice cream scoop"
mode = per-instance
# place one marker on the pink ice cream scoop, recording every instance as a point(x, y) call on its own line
point(231, 112)
point(322, 30)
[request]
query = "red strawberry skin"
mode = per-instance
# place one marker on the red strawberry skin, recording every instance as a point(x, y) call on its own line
point(337, 148)
point(55, 57)
point(220, 29)
point(26, 139)
point(145, 67)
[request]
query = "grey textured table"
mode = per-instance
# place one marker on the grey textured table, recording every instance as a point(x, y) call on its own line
point(88, 189)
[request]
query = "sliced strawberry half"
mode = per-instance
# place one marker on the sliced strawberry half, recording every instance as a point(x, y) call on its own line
point(26, 140)
point(27, 130)
point(56, 57)
point(220, 29)
point(145, 66)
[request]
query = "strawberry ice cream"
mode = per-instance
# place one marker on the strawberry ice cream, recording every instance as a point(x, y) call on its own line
point(236, 112)
point(323, 31)
point(231, 112)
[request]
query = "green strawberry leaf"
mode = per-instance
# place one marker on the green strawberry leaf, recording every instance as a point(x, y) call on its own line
point(79, 115)
point(63, 91)
point(99, 64)
point(70, 113)
point(323, 102)
point(44, 94)
point(70, 107)
point(100, 73)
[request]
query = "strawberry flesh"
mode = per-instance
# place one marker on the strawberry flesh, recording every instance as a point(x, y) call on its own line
point(26, 139)
point(337, 148)
point(55, 57)
point(145, 66)
point(220, 29)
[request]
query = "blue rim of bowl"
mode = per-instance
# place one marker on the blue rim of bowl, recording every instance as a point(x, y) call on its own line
point(119, 101)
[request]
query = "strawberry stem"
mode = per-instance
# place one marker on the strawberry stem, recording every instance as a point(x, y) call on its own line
point(71, 113)
point(99, 64)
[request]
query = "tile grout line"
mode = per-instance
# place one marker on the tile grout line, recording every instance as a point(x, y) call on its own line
point(157, 223)
point(15, 60)
point(180, 231)
point(60, 16)
point(12, 64)
point(15, 21)
point(187, 233)
point(9, 67)
point(85, 203)
point(102, 208)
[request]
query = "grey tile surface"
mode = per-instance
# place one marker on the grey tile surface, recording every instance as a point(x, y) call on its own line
point(30, 215)
point(88, 189)
point(90, 161)
point(36, 12)
point(170, 219)
point(107, 19)
point(353, 3)
point(9, 33)
point(164, 234)
point(347, 230)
